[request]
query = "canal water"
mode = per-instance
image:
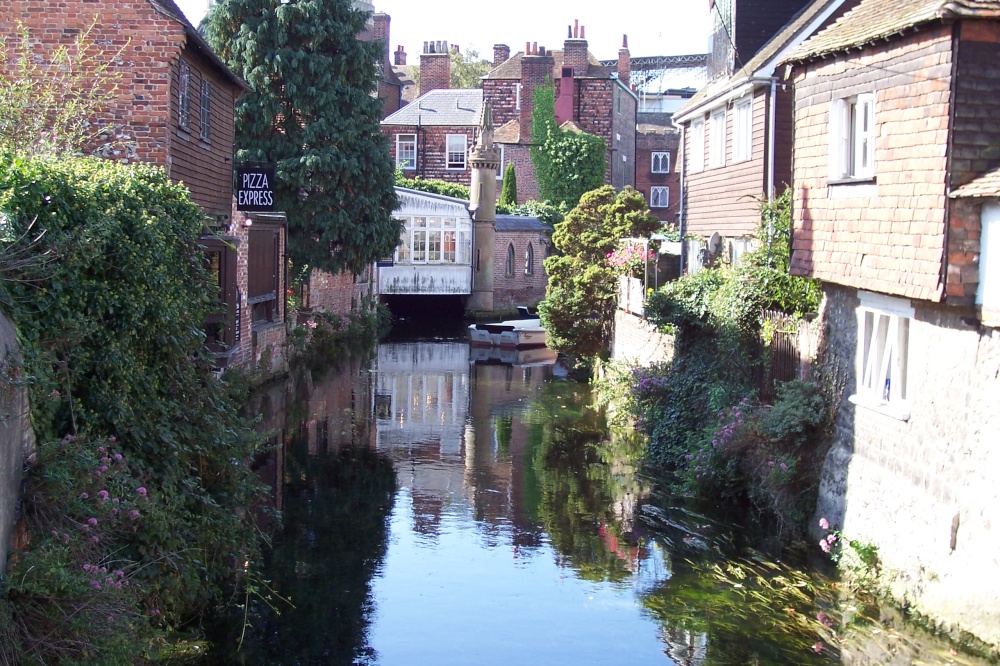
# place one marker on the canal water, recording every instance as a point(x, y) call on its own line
point(440, 506)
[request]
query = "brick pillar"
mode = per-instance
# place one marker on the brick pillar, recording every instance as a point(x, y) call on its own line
point(536, 67)
point(399, 57)
point(624, 62)
point(380, 32)
point(435, 67)
point(501, 54)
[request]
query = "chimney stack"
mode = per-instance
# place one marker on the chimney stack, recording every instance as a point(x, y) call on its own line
point(400, 57)
point(435, 67)
point(380, 32)
point(575, 51)
point(501, 54)
point(536, 69)
point(624, 61)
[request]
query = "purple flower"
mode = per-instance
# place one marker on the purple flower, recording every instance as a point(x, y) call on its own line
point(104, 495)
point(133, 515)
point(112, 439)
point(96, 584)
point(87, 568)
point(118, 457)
point(84, 496)
point(101, 449)
point(824, 524)
point(95, 538)
point(141, 490)
point(92, 522)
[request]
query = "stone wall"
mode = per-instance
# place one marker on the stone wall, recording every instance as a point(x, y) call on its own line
point(17, 439)
point(639, 342)
point(923, 490)
point(519, 287)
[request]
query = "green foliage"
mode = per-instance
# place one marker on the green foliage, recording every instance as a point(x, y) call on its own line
point(312, 114)
point(49, 102)
point(547, 213)
point(325, 338)
point(112, 340)
point(567, 164)
point(508, 194)
point(468, 69)
point(578, 309)
point(442, 187)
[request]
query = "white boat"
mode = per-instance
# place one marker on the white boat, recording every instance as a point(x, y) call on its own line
point(519, 358)
point(512, 334)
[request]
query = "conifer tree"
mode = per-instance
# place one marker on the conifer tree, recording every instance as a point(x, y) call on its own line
point(312, 114)
point(508, 195)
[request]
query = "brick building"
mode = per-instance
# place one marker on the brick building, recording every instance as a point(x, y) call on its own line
point(176, 105)
point(737, 130)
point(896, 190)
point(592, 96)
point(519, 276)
point(657, 170)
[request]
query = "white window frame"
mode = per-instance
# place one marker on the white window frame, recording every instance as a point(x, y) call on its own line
point(852, 137)
point(503, 164)
point(659, 162)
point(988, 292)
point(697, 144)
point(659, 197)
point(743, 130)
point(882, 364)
point(452, 152)
point(406, 152)
point(717, 139)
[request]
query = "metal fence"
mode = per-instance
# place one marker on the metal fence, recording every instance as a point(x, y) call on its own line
point(780, 351)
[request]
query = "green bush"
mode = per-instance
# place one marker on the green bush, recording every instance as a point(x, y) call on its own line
point(432, 186)
point(508, 194)
point(110, 324)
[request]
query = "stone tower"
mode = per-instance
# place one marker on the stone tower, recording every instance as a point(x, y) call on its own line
point(484, 158)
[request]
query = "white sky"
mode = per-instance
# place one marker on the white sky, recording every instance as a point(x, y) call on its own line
point(663, 27)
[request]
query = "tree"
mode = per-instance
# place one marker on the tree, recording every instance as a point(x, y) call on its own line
point(578, 310)
point(567, 163)
point(468, 69)
point(508, 195)
point(312, 114)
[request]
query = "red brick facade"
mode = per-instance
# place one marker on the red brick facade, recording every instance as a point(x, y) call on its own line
point(432, 158)
point(435, 72)
point(518, 287)
point(659, 140)
point(339, 294)
point(887, 235)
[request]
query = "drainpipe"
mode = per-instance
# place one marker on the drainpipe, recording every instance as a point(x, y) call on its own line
point(770, 168)
point(682, 213)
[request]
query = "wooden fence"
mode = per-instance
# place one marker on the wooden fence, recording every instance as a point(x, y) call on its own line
point(785, 350)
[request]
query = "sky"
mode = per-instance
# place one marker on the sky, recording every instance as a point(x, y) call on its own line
point(663, 27)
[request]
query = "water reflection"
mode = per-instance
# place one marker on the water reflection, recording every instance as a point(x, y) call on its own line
point(441, 508)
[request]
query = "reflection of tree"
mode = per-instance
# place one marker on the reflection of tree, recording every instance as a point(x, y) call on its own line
point(583, 494)
point(737, 613)
point(336, 527)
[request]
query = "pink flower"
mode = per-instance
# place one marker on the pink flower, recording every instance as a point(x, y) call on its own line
point(818, 647)
point(824, 545)
point(824, 524)
point(830, 538)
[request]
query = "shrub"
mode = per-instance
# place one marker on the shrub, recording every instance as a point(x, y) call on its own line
point(432, 186)
point(508, 194)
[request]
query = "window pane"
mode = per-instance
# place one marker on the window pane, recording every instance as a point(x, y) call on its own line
point(433, 246)
point(419, 246)
point(456, 151)
point(406, 151)
point(449, 247)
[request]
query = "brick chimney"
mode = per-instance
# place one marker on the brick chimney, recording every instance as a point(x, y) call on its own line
point(501, 54)
point(435, 67)
point(399, 57)
point(536, 68)
point(575, 50)
point(380, 32)
point(624, 61)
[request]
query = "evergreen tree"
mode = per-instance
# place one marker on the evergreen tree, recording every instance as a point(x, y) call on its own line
point(312, 113)
point(508, 195)
point(579, 306)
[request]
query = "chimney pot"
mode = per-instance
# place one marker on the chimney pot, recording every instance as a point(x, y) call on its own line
point(576, 28)
point(583, 32)
point(624, 41)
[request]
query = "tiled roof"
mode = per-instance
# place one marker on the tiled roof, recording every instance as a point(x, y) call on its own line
point(793, 31)
point(655, 128)
point(511, 69)
point(509, 132)
point(571, 126)
point(452, 107)
point(521, 223)
point(878, 19)
point(987, 185)
point(196, 41)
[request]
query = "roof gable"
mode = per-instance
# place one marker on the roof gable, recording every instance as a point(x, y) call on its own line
point(511, 68)
point(196, 41)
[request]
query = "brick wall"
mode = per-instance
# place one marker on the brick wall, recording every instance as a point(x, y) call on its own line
point(339, 294)
point(527, 183)
point(639, 342)
point(924, 490)
point(501, 94)
point(519, 288)
point(501, 54)
point(646, 144)
point(432, 145)
point(535, 71)
point(435, 72)
point(890, 239)
point(976, 134)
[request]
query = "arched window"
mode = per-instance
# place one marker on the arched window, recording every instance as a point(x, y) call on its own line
point(529, 260)
point(510, 260)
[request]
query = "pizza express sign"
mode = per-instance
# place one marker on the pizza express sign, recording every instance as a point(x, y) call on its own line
point(255, 189)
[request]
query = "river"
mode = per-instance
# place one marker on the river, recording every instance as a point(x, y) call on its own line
point(439, 507)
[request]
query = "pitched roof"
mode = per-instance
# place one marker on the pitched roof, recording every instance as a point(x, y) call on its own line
point(195, 40)
point(521, 223)
point(793, 32)
point(511, 69)
point(451, 107)
point(986, 185)
point(877, 19)
point(509, 132)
